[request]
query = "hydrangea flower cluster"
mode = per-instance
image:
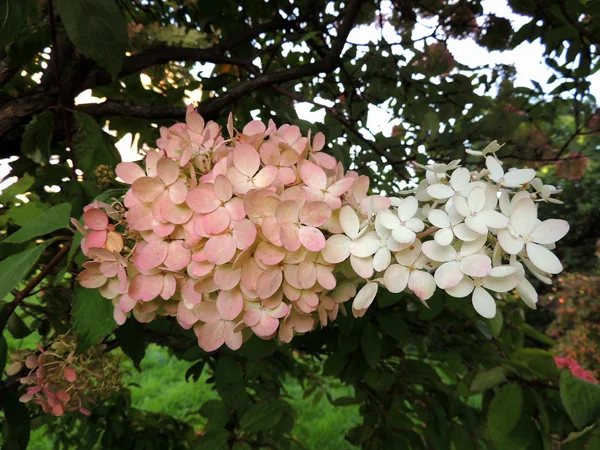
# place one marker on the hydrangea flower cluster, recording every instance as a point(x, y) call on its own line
point(575, 368)
point(59, 380)
point(264, 233)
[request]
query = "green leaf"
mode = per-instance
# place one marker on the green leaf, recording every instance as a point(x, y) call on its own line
point(23, 214)
point(53, 219)
point(92, 145)
point(17, 425)
point(262, 416)
point(3, 352)
point(487, 379)
point(132, 341)
point(17, 327)
point(195, 371)
point(370, 343)
point(230, 383)
point(581, 399)
point(92, 317)
point(495, 324)
point(97, 29)
point(12, 17)
point(394, 325)
point(37, 137)
point(14, 268)
point(21, 186)
point(536, 335)
point(216, 412)
point(214, 440)
point(504, 411)
point(538, 361)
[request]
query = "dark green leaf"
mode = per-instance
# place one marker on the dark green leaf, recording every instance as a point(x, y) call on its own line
point(230, 383)
point(92, 317)
point(93, 146)
point(53, 219)
point(195, 371)
point(214, 440)
point(12, 17)
point(132, 340)
point(3, 352)
point(486, 379)
point(262, 416)
point(18, 425)
point(580, 398)
point(539, 361)
point(98, 29)
point(14, 268)
point(21, 186)
point(504, 411)
point(371, 345)
point(38, 136)
point(17, 327)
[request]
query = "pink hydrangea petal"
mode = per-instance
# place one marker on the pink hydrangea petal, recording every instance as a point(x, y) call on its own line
point(314, 214)
point(96, 238)
point(269, 281)
point(312, 238)
point(178, 257)
point(223, 189)
point(152, 255)
point(246, 159)
point(252, 316)
point(140, 217)
point(91, 280)
point(269, 154)
point(254, 127)
point(216, 221)
point(265, 177)
point(220, 249)
point(147, 189)
point(211, 336)
point(189, 295)
point(269, 254)
point(313, 176)
point(233, 338)
point(145, 287)
point(126, 303)
point(266, 326)
point(307, 275)
point(226, 278)
point(177, 214)
point(178, 192)
point(318, 142)
point(167, 170)
point(244, 234)
point(241, 183)
point(203, 199)
point(129, 172)
point(95, 219)
point(230, 304)
point(290, 238)
point(169, 287)
point(340, 187)
point(287, 211)
point(235, 206)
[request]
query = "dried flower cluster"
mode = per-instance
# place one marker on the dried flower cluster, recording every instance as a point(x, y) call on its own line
point(264, 233)
point(59, 380)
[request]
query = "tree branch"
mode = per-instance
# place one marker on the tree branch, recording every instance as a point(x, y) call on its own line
point(113, 108)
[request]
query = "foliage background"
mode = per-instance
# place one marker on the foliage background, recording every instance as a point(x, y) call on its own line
point(401, 377)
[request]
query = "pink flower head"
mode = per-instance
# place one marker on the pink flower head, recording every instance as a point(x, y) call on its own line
point(246, 173)
point(298, 224)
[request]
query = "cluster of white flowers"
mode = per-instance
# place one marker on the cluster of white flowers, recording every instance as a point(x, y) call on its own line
point(485, 234)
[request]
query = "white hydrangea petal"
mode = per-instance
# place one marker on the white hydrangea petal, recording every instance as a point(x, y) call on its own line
point(536, 272)
point(528, 293)
point(484, 303)
point(448, 275)
point(415, 224)
point(550, 231)
point(422, 284)
point(438, 218)
point(523, 216)
point(505, 206)
point(349, 221)
point(389, 219)
point(501, 284)
point(476, 199)
point(444, 236)
point(395, 278)
point(476, 265)
point(495, 168)
point(365, 246)
point(362, 266)
point(403, 235)
point(494, 219)
point(460, 203)
point(408, 255)
point(365, 296)
point(382, 259)
point(509, 243)
point(472, 247)
point(337, 249)
point(440, 191)
point(476, 224)
point(436, 252)
point(514, 178)
point(502, 271)
point(543, 259)
point(460, 179)
point(408, 208)
point(462, 289)
point(464, 233)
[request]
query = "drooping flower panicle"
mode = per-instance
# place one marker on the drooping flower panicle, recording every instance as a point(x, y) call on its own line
point(263, 233)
